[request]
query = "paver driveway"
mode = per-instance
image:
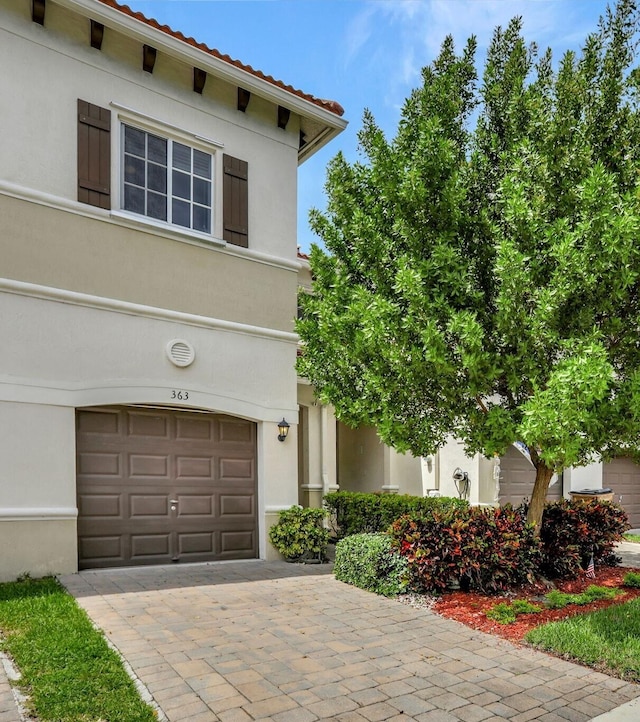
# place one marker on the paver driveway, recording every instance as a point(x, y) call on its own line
point(257, 640)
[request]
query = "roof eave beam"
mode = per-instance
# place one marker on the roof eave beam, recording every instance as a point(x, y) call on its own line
point(38, 8)
point(97, 34)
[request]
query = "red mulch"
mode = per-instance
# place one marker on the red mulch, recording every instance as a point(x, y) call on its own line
point(470, 608)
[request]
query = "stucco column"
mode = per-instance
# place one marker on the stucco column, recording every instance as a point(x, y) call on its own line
point(277, 479)
point(311, 486)
point(329, 450)
point(388, 485)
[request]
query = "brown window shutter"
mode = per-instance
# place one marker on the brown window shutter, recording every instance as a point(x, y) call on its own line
point(235, 211)
point(94, 155)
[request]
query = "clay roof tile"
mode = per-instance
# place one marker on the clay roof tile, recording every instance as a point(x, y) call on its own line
point(330, 105)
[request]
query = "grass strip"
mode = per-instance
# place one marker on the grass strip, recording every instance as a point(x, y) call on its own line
point(507, 612)
point(632, 538)
point(68, 670)
point(608, 639)
point(559, 600)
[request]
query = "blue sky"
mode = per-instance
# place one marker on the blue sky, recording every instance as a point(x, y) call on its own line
point(362, 53)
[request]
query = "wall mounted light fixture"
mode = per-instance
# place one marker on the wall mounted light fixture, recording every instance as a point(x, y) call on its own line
point(283, 428)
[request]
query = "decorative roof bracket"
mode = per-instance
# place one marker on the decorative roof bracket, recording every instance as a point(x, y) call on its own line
point(148, 58)
point(38, 8)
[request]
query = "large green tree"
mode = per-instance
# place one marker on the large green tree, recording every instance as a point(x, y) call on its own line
point(482, 269)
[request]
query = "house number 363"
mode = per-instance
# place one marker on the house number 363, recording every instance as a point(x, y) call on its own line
point(179, 395)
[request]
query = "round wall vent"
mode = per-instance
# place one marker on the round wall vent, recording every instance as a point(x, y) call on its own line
point(180, 352)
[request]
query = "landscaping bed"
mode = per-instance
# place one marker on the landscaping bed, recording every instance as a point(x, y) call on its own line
point(471, 608)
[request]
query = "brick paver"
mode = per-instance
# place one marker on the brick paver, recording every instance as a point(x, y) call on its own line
point(256, 640)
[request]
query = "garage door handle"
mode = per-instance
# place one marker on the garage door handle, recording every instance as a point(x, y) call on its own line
point(173, 501)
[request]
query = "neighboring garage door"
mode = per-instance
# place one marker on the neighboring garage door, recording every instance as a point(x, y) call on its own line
point(622, 476)
point(157, 486)
point(517, 477)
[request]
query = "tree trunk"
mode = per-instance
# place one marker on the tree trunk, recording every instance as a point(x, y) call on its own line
point(536, 505)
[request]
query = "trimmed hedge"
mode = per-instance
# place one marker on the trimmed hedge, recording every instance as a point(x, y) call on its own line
point(573, 530)
point(360, 513)
point(484, 549)
point(368, 561)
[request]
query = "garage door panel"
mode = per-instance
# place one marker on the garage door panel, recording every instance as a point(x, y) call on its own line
point(196, 543)
point(622, 476)
point(105, 422)
point(145, 546)
point(236, 505)
point(201, 429)
point(196, 505)
point(145, 505)
point(148, 465)
point(236, 431)
point(194, 467)
point(100, 464)
point(517, 478)
point(102, 548)
point(148, 425)
point(128, 474)
point(236, 542)
point(236, 469)
point(100, 505)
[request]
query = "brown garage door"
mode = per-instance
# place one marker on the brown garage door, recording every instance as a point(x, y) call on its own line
point(517, 477)
point(622, 476)
point(157, 486)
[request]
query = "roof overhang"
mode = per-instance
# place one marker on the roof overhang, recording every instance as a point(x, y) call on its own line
point(319, 124)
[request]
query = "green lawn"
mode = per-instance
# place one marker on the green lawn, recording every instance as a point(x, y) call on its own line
point(608, 640)
point(632, 538)
point(68, 670)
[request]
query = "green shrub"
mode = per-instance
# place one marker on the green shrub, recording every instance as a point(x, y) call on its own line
point(631, 579)
point(505, 613)
point(368, 561)
point(360, 513)
point(488, 549)
point(559, 600)
point(573, 530)
point(556, 599)
point(299, 535)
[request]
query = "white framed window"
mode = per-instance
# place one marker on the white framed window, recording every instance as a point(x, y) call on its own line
point(166, 180)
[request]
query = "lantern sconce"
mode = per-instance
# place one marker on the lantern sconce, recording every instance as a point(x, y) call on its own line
point(283, 428)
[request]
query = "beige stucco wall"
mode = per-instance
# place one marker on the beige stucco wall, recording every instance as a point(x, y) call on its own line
point(584, 477)
point(62, 249)
point(37, 481)
point(65, 355)
point(69, 354)
point(450, 457)
point(487, 487)
point(405, 474)
point(38, 457)
point(51, 56)
point(38, 547)
point(90, 298)
point(317, 463)
point(360, 459)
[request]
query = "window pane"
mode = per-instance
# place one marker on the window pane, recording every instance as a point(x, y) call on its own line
point(180, 213)
point(157, 149)
point(157, 206)
point(202, 192)
point(133, 170)
point(182, 157)
point(157, 177)
point(133, 199)
point(181, 185)
point(134, 141)
point(201, 219)
point(201, 164)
